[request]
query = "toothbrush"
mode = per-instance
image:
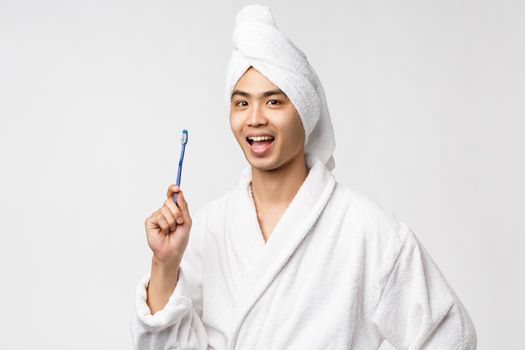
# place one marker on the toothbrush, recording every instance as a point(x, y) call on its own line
point(184, 141)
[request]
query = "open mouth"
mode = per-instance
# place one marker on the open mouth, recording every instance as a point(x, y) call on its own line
point(259, 145)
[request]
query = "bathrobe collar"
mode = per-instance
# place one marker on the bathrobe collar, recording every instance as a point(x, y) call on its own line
point(262, 261)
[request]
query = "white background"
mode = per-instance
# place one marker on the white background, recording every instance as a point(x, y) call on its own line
point(427, 101)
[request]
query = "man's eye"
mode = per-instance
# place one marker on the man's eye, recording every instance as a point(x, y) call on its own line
point(240, 102)
point(278, 102)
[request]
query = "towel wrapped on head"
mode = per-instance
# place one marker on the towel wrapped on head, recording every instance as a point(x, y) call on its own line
point(258, 43)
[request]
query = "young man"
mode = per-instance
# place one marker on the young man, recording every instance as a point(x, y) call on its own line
point(290, 258)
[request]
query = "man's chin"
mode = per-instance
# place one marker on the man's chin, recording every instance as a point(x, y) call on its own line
point(262, 164)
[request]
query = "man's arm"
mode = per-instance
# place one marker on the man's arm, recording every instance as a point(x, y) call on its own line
point(162, 283)
point(173, 320)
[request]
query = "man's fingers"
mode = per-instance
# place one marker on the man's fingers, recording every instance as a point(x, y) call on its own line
point(181, 201)
point(175, 211)
point(163, 223)
point(171, 190)
point(174, 189)
point(183, 205)
point(169, 218)
point(151, 221)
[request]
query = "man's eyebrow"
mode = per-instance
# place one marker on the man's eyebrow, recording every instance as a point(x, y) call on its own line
point(261, 95)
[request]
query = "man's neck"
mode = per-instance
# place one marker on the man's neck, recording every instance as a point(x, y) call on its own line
point(278, 187)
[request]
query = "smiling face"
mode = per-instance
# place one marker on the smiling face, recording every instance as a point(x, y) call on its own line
point(259, 107)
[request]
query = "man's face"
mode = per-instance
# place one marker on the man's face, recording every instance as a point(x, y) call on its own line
point(258, 107)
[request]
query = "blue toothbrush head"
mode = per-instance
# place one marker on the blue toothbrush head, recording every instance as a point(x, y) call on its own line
point(184, 138)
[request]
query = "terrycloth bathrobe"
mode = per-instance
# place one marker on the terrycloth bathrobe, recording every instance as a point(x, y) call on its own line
point(337, 272)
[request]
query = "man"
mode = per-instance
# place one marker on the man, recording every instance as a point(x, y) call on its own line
point(290, 258)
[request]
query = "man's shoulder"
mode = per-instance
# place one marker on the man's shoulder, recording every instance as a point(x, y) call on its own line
point(358, 203)
point(371, 214)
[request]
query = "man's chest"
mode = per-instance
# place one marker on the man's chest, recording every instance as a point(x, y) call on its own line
point(268, 219)
point(321, 285)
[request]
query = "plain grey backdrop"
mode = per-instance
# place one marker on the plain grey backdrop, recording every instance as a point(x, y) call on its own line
point(426, 98)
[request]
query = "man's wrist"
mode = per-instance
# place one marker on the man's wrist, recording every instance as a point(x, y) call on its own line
point(164, 276)
point(174, 262)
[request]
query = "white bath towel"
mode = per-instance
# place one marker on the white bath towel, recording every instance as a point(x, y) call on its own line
point(259, 43)
point(339, 271)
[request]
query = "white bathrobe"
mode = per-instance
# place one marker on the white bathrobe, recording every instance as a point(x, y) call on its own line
point(337, 272)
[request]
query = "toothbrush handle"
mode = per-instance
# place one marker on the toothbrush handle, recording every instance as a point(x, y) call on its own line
point(179, 172)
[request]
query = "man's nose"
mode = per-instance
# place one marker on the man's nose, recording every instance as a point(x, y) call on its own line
point(257, 115)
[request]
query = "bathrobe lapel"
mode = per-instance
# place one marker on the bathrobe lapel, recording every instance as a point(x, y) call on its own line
point(261, 261)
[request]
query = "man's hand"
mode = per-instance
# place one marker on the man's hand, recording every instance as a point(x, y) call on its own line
point(168, 228)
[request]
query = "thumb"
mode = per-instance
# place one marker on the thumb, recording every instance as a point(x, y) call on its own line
point(183, 205)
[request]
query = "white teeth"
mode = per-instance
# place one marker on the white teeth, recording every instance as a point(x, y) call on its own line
point(260, 138)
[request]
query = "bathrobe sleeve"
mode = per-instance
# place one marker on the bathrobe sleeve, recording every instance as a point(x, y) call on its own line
point(418, 309)
point(178, 325)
